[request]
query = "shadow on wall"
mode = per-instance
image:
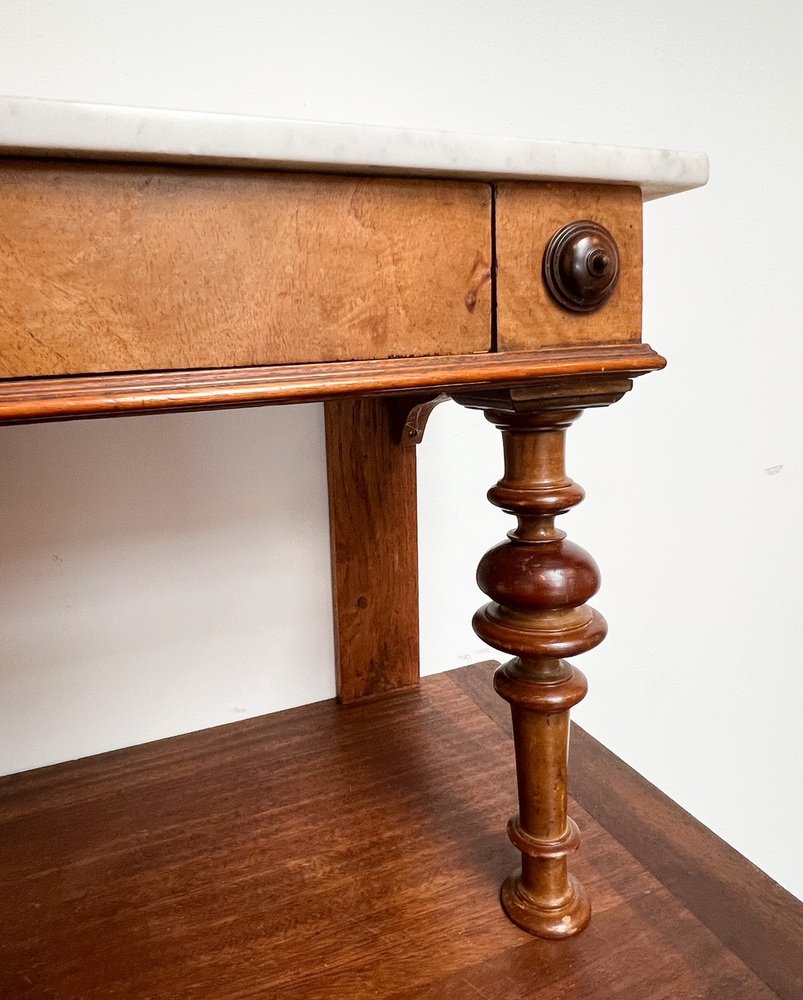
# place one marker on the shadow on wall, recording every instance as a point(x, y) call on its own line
point(163, 539)
point(78, 481)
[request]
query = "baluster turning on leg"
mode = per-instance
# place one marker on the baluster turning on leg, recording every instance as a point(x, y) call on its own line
point(538, 584)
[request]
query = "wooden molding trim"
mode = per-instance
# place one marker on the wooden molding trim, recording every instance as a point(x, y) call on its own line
point(28, 400)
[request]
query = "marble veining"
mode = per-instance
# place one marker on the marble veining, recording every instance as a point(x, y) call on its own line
point(34, 126)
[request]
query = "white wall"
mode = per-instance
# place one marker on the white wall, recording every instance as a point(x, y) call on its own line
point(161, 574)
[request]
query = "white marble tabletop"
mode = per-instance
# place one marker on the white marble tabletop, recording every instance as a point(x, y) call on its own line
point(33, 126)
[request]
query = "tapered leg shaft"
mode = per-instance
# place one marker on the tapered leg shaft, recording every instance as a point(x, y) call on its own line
point(543, 898)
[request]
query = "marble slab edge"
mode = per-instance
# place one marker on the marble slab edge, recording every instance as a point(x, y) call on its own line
point(41, 127)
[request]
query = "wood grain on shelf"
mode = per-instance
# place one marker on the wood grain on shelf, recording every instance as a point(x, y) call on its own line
point(743, 906)
point(320, 853)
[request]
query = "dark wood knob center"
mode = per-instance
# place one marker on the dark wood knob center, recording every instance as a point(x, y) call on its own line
point(581, 266)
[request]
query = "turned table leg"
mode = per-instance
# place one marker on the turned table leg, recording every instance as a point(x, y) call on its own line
point(538, 583)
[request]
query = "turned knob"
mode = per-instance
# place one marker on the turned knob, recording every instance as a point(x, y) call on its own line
point(581, 266)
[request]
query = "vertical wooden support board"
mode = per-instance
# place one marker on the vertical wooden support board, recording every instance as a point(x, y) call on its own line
point(374, 542)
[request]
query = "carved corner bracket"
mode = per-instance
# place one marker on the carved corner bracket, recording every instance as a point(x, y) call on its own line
point(410, 414)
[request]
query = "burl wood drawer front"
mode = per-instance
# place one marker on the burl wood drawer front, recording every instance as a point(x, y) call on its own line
point(126, 268)
point(527, 215)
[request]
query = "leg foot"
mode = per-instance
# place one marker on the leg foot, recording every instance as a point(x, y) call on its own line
point(561, 921)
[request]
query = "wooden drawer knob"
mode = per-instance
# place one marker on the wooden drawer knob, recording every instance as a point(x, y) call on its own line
point(581, 266)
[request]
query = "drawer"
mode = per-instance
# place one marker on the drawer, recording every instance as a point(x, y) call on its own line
point(527, 217)
point(127, 268)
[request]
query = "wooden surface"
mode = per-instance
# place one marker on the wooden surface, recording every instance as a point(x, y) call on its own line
point(125, 268)
point(327, 852)
point(110, 395)
point(527, 215)
point(747, 911)
point(373, 528)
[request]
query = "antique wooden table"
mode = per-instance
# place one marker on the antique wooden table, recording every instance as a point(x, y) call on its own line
point(155, 260)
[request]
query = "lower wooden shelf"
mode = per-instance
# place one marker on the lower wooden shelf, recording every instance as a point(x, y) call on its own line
point(328, 851)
